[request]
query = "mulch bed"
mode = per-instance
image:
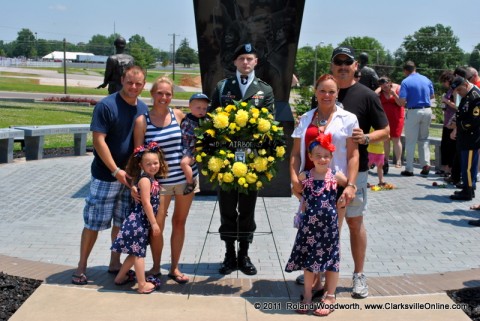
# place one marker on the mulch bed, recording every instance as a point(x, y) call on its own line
point(469, 297)
point(14, 291)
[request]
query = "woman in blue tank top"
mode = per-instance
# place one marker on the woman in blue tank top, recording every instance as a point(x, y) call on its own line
point(162, 125)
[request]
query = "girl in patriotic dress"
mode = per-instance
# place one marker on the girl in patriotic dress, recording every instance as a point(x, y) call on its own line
point(146, 166)
point(317, 244)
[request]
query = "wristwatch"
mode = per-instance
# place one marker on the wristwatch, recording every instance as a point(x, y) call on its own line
point(367, 139)
point(352, 185)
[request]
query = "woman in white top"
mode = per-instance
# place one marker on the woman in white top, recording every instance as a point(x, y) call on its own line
point(328, 117)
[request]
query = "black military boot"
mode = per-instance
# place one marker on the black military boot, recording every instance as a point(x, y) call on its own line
point(230, 261)
point(466, 194)
point(244, 263)
point(459, 192)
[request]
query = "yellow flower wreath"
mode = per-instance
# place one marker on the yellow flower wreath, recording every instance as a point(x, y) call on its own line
point(239, 147)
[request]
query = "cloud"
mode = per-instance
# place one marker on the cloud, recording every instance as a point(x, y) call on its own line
point(58, 7)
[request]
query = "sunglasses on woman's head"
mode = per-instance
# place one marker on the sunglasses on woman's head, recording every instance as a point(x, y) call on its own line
point(340, 62)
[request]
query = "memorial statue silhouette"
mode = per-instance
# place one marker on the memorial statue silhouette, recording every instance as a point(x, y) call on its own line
point(116, 64)
point(368, 76)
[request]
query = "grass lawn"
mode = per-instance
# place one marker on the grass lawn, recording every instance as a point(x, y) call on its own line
point(7, 83)
point(16, 113)
point(21, 113)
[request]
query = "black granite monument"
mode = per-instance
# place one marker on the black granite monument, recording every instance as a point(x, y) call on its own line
point(273, 27)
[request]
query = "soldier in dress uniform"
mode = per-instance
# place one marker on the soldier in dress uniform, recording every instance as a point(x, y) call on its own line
point(237, 210)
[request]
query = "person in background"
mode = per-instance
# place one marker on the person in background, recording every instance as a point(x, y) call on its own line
point(109, 196)
point(448, 147)
point(237, 210)
point(376, 156)
point(474, 78)
point(115, 66)
point(468, 135)
point(416, 91)
point(388, 93)
point(198, 105)
point(365, 104)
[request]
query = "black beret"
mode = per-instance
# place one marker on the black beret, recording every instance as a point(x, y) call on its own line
point(246, 48)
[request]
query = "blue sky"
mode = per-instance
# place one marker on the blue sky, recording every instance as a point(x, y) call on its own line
point(327, 22)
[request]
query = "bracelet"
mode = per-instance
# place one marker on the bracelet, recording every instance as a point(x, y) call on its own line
point(367, 139)
point(116, 172)
point(351, 185)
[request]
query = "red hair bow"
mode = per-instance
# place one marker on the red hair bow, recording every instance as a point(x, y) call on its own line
point(325, 140)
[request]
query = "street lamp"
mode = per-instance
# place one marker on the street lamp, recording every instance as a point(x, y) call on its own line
point(315, 63)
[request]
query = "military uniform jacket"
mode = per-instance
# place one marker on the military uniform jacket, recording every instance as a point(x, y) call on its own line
point(468, 120)
point(259, 94)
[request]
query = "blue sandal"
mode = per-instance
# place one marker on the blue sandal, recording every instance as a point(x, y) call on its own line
point(154, 280)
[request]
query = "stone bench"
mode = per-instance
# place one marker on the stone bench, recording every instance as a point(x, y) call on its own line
point(435, 141)
point(34, 138)
point(7, 139)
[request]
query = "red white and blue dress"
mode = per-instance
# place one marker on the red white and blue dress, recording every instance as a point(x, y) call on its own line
point(317, 244)
point(133, 235)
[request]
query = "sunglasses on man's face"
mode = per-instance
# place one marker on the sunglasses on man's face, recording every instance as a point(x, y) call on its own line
point(340, 62)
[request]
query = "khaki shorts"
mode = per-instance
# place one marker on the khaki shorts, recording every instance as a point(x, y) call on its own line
point(358, 207)
point(177, 189)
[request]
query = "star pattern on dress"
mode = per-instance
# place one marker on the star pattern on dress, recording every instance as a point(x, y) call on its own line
point(312, 219)
point(316, 245)
point(133, 235)
point(311, 240)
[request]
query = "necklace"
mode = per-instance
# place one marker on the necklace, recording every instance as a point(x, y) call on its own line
point(321, 122)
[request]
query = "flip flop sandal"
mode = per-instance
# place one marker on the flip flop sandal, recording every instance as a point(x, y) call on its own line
point(303, 310)
point(155, 281)
point(330, 306)
point(180, 279)
point(147, 292)
point(130, 277)
point(79, 279)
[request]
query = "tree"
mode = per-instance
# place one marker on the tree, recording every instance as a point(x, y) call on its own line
point(163, 57)
point(142, 52)
point(305, 66)
point(474, 59)
point(24, 45)
point(186, 55)
point(371, 46)
point(100, 45)
point(43, 47)
point(433, 49)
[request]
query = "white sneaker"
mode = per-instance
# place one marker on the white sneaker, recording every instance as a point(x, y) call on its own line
point(359, 287)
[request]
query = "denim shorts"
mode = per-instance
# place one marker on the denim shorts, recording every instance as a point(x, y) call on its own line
point(107, 201)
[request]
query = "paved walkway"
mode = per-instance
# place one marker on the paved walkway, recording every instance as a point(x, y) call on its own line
point(419, 246)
